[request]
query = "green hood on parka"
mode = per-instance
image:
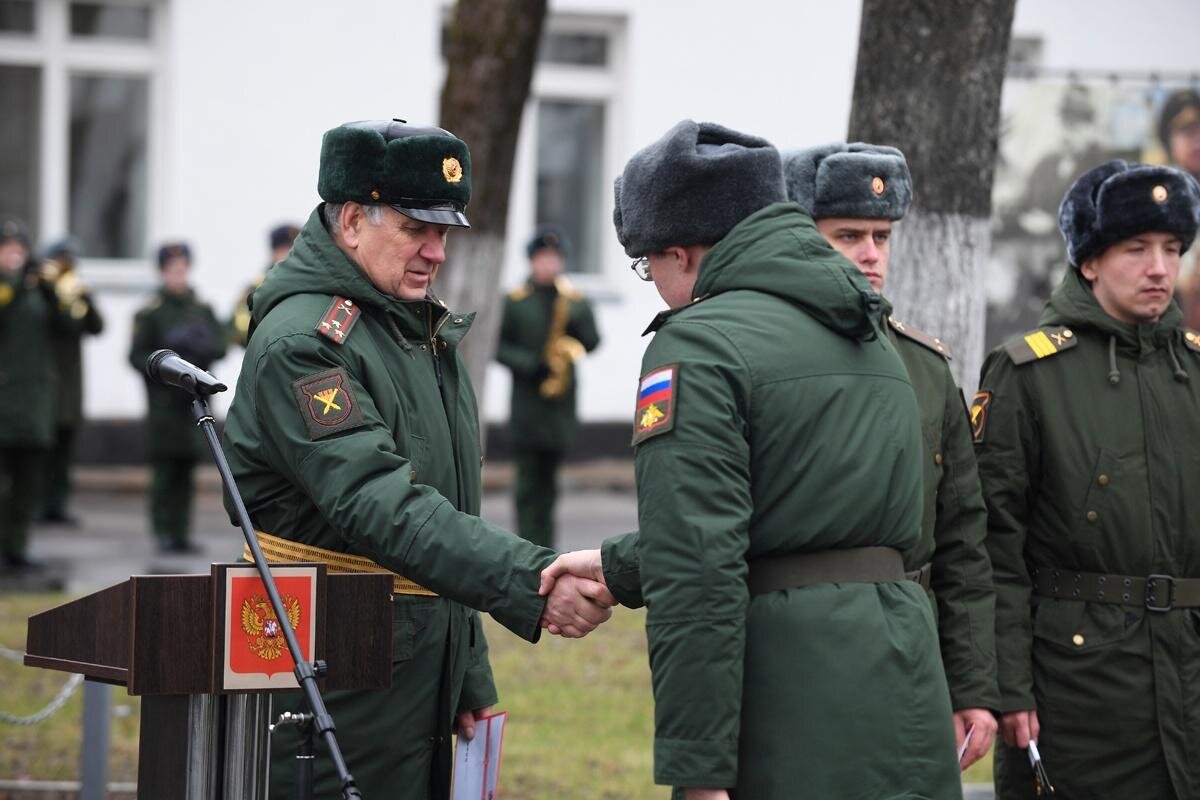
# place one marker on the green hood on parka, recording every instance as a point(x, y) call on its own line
point(779, 251)
point(1074, 304)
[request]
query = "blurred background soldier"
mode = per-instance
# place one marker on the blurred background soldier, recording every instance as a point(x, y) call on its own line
point(1179, 132)
point(547, 327)
point(78, 317)
point(1087, 432)
point(855, 192)
point(28, 315)
point(175, 320)
point(281, 238)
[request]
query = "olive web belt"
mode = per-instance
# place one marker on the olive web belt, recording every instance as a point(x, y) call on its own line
point(1154, 592)
point(277, 549)
point(849, 565)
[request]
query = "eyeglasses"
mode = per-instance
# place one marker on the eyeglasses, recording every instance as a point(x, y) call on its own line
point(641, 268)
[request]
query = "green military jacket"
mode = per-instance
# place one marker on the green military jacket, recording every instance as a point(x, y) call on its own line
point(363, 437)
point(28, 322)
point(775, 417)
point(80, 318)
point(1088, 440)
point(538, 422)
point(184, 324)
point(953, 524)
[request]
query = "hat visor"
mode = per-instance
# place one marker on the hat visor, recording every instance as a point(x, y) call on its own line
point(436, 216)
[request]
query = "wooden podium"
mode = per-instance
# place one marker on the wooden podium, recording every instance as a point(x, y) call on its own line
point(169, 639)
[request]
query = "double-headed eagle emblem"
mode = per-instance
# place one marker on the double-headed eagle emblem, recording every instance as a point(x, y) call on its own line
point(262, 626)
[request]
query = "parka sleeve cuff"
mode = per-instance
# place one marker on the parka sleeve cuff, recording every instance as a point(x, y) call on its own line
point(694, 763)
point(1016, 701)
point(623, 569)
point(479, 689)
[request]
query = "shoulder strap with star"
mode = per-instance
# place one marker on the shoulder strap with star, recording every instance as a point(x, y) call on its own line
point(567, 289)
point(1191, 339)
point(338, 320)
point(1040, 343)
point(920, 337)
point(520, 293)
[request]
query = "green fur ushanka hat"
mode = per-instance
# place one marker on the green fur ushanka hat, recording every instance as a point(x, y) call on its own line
point(1116, 201)
point(856, 181)
point(421, 171)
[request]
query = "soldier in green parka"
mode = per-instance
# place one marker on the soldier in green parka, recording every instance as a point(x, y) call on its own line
point(355, 431)
point(175, 320)
point(778, 461)
point(1088, 438)
point(79, 317)
point(547, 326)
point(854, 193)
point(28, 382)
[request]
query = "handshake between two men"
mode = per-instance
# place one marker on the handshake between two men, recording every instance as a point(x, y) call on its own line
point(577, 599)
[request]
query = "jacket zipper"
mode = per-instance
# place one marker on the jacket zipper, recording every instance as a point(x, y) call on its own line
point(433, 332)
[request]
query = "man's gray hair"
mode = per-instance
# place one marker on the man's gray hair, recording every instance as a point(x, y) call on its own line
point(333, 214)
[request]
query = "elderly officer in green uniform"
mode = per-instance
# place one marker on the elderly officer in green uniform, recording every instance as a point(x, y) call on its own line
point(354, 433)
point(854, 192)
point(177, 320)
point(547, 326)
point(778, 459)
point(28, 320)
point(79, 317)
point(1088, 439)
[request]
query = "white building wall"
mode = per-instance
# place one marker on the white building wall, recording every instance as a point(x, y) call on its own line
point(246, 90)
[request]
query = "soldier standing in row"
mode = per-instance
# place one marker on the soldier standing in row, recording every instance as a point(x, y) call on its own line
point(354, 436)
point(547, 326)
point(79, 317)
point(855, 192)
point(176, 320)
point(280, 239)
point(28, 321)
point(1088, 439)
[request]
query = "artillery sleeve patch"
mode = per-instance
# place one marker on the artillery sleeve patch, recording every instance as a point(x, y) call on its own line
point(979, 415)
point(326, 403)
point(656, 401)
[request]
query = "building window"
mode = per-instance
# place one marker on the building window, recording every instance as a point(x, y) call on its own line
point(574, 90)
point(570, 139)
point(78, 92)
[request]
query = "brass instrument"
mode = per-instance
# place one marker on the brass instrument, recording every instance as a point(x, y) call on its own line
point(561, 351)
point(70, 291)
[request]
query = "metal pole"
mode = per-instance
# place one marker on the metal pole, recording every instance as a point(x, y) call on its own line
point(97, 717)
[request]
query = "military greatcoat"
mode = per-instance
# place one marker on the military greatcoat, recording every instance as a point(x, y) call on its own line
point(1088, 439)
point(363, 437)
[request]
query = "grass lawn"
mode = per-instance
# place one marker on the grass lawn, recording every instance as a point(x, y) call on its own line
point(580, 713)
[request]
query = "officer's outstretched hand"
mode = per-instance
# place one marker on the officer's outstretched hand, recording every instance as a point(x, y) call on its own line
point(576, 602)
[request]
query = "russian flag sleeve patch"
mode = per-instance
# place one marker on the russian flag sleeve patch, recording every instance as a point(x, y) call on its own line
point(656, 395)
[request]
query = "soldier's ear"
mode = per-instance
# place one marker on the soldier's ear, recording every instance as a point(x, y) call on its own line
point(351, 219)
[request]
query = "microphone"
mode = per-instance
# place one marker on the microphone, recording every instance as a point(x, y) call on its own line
point(166, 367)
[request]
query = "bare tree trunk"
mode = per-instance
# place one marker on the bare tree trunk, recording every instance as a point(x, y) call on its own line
point(491, 54)
point(929, 79)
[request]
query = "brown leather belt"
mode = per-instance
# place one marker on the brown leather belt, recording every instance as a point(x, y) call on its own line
point(1153, 592)
point(850, 565)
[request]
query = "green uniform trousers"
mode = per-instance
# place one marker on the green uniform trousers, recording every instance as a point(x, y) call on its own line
point(411, 761)
point(20, 479)
point(536, 494)
point(171, 499)
point(56, 488)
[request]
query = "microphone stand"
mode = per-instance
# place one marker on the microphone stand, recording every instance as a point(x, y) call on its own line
point(317, 720)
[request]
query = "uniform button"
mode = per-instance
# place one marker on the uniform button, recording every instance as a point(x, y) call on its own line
point(423, 347)
point(1102, 480)
point(1077, 640)
point(1092, 516)
point(937, 459)
point(458, 320)
point(412, 476)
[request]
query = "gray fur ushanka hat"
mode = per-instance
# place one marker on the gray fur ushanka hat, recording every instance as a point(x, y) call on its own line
point(857, 181)
point(1116, 201)
point(693, 186)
